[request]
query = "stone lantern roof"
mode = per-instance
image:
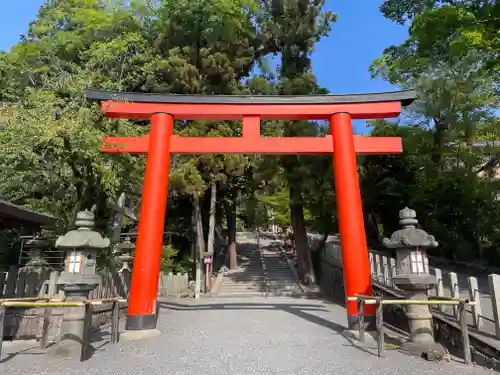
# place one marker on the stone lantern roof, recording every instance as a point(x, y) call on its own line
point(83, 236)
point(409, 235)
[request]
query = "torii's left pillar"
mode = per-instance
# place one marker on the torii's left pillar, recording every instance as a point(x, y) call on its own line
point(142, 309)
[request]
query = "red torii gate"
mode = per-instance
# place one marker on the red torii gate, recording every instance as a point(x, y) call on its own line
point(164, 109)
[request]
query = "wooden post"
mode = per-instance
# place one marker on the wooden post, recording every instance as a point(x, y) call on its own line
point(380, 328)
point(3, 310)
point(86, 332)
point(475, 297)
point(361, 320)
point(45, 327)
point(465, 333)
point(115, 322)
point(494, 283)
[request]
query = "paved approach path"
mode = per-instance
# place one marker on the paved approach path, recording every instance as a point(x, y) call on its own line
point(275, 335)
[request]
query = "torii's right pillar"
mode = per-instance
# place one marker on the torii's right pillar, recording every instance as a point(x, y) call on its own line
point(356, 266)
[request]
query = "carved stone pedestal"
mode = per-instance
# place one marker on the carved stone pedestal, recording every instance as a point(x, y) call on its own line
point(73, 325)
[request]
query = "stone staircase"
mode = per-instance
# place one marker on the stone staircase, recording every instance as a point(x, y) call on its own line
point(260, 272)
point(248, 279)
point(281, 281)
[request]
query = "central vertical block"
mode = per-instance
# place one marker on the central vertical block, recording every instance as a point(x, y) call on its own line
point(251, 128)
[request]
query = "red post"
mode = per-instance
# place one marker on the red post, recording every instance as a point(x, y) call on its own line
point(357, 278)
point(144, 289)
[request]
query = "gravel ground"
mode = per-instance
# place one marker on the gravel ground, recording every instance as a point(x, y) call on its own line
point(236, 336)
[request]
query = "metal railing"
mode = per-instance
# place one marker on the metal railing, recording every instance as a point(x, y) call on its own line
point(379, 303)
point(49, 304)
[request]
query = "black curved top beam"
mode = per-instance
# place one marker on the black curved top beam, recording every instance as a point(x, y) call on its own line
point(405, 97)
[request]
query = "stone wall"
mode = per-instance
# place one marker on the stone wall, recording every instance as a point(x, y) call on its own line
point(446, 330)
point(26, 323)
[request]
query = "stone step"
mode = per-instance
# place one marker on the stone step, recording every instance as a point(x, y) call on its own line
point(277, 266)
point(280, 281)
point(246, 270)
point(233, 290)
point(277, 286)
point(242, 282)
point(286, 294)
point(278, 271)
point(239, 295)
point(247, 282)
point(239, 290)
point(244, 275)
point(280, 275)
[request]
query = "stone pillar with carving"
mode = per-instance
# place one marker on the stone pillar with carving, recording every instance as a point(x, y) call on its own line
point(413, 278)
point(79, 277)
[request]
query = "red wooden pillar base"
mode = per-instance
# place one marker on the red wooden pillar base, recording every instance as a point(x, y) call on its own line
point(356, 267)
point(142, 309)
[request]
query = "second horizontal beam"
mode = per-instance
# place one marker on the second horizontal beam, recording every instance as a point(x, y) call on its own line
point(263, 145)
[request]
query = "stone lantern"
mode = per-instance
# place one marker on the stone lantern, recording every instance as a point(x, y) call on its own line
point(81, 247)
point(413, 278)
point(36, 246)
point(125, 249)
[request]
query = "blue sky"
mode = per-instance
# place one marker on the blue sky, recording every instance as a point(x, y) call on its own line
point(340, 61)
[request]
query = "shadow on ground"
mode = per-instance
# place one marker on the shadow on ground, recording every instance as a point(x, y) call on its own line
point(301, 310)
point(100, 337)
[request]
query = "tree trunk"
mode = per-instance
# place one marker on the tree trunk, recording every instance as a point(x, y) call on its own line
point(439, 131)
point(305, 264)
point(211, 222)
point(231, 229)
point(200, 241)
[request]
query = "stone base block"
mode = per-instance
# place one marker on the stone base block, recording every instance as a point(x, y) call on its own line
point(139, 334)
point(370, 338)
point(430, 351)
point(70, 349)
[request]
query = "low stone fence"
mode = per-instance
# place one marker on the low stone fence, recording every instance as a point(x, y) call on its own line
point(483, 331)
point(18, 283)
point(25, 323)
